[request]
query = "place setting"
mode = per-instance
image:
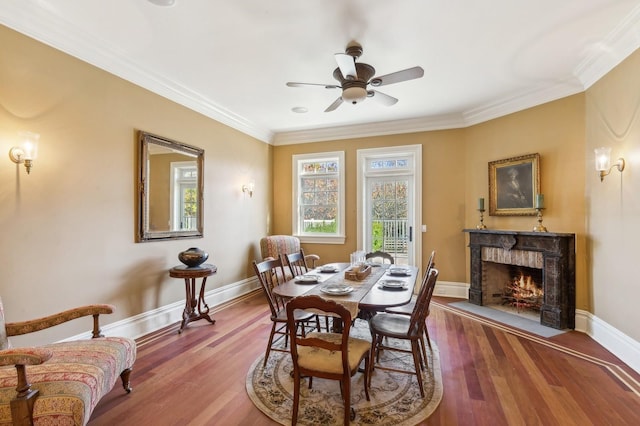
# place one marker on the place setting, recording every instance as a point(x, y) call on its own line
point(336, 289)
point(394, 285)
point(328, 269)
point(398, 271)
point(307, 279)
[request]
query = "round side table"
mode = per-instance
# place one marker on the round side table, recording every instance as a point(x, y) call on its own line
point(190, 274)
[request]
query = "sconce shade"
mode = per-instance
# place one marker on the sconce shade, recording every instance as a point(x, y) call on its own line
point(603, 158)
point(248, 188)
point(27, 151)
point(603, 162)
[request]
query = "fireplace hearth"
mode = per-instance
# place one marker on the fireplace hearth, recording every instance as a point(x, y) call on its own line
point(547, 258)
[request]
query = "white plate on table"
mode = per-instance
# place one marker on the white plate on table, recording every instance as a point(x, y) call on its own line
point(393, 284)
point(400, 272)
point(306, 279)
point(336, 289)
point(328, 269)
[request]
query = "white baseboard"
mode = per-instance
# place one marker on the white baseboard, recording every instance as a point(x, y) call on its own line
point(150, 321)
point(615, 341)
point(451, 289)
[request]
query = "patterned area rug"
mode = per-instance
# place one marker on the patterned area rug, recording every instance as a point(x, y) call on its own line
point(395, 397)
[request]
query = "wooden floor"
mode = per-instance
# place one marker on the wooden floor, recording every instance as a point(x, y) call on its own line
point(491, 375)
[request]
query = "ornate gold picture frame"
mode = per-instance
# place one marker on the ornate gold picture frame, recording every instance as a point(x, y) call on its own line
point(513, 185)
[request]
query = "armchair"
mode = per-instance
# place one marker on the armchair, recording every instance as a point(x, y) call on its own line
point(274, 246)
point(60, 383)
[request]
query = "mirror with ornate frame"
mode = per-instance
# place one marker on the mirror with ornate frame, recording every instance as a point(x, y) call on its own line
point(170, 188)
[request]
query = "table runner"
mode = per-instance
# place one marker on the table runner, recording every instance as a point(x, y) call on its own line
point(360, 288)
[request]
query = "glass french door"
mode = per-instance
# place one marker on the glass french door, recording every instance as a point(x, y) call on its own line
point(387, 225)
point(389, 182)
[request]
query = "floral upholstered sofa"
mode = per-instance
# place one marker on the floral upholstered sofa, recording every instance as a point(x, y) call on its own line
point(60, 383)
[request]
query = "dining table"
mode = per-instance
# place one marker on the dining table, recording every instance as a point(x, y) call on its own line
point(385, 286)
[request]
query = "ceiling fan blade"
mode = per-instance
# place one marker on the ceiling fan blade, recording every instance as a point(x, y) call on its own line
point(384, 99)
point(397, 77)
point(334, 105)
point(326, 86)
point(347, 66)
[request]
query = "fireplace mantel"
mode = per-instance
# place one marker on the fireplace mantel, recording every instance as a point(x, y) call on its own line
point(558, 254)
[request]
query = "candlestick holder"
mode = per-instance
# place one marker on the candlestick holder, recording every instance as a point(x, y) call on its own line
point(481, 225)
point(539, 227)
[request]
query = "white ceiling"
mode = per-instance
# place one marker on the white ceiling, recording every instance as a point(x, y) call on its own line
point(230, 60)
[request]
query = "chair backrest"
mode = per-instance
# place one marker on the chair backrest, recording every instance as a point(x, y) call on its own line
point(296, 263)
point(421, 309)
point(431, 261)
point(274, 246)
point(384, 256)
point(322, 306)
point(270, 273)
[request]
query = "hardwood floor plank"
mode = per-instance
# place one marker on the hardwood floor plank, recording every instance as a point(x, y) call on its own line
point(492, 375)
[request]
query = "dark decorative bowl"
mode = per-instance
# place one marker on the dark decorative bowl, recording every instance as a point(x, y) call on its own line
point(193, 257)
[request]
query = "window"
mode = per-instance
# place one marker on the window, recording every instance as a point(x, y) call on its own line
point(318, 197)
point(184, 214)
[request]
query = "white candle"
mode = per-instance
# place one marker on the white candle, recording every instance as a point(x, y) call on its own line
point(539, 201)
point(480, 203)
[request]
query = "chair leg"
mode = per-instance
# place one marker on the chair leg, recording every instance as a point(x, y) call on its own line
point(296, 397)
point(367, 380)
point(415, 349)
point(126, 384)
point(346, 397)
point(266, 355)
point(426, 334)
point(372, 353)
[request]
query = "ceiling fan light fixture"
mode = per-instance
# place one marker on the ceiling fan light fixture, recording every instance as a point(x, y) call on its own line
point(163, 2)
point(354, 95)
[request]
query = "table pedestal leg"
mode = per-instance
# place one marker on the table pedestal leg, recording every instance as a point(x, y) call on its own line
point(191, 303)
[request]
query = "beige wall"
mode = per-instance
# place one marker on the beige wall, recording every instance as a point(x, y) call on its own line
point(613, 218)
point(442, 196)
point(68, 227)
point(555, 131)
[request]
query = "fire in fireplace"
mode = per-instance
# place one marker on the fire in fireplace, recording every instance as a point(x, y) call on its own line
point(523, 293)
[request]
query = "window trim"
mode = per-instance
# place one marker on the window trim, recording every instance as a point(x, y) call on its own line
point(297, 159)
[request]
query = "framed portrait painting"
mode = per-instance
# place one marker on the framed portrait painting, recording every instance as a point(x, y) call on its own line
point(513, 185)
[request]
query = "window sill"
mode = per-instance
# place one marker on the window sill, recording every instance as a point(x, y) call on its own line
point(317, 239)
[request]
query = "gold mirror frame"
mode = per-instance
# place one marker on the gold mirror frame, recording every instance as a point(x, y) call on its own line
point(150, 147)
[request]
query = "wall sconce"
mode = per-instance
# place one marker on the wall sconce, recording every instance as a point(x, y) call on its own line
point(27, 151)
point(247, 188)
point(603, 160)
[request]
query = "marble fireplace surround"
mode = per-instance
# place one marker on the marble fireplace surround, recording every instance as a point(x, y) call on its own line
point(553, 253)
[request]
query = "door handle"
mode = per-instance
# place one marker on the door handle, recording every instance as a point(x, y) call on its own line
point(411, 234)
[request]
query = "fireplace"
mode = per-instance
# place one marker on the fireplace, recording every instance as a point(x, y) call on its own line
point(547, 258)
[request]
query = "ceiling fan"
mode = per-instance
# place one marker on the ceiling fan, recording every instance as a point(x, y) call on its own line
point(355, 77)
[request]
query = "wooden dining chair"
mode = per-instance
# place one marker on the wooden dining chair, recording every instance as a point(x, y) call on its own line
point(269, 273)
point(296, 263)
point(403, 327)
point(383, 256)
point(409, 307)
point(334, 356)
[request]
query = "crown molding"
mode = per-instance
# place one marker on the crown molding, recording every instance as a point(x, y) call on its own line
point(519, 102)
point(394, 127)
point(618, 45)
